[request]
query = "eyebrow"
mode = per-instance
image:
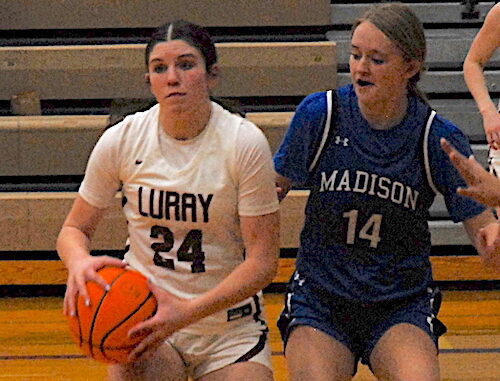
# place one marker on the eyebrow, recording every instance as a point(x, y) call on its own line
point(187, 55)
point(371, 51)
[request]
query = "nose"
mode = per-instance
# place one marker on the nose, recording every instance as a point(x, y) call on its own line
point(363, 65)
point(172, 75)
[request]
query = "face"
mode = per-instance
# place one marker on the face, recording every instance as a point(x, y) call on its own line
point(177, 75)
point(378, 70)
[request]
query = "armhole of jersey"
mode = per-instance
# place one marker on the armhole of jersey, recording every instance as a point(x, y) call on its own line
point(330, 102)
point(426, 152)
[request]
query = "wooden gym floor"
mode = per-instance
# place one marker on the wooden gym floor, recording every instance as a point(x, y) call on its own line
point(35, 342)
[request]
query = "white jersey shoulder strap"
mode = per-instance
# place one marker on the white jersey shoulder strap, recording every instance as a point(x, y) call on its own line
point(426, 152)
point(330, 102)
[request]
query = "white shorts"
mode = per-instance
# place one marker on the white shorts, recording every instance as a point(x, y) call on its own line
point(494, 158)
point(203, 354)
point(494, 161)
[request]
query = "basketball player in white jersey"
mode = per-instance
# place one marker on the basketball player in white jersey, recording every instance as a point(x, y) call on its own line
point(484, 45)
point(199, 197)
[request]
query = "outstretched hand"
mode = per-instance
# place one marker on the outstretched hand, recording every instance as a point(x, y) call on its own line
point(482, 186)
point(173, 313)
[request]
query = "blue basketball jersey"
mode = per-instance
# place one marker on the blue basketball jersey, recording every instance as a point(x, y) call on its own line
point(366, 235)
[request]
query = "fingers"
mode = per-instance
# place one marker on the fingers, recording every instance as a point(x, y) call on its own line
point(489, 242)
point(469, 192)
point(493, 139)
point(82, 273)
point(466, 166)
point(111, 261)
point(149, 342)
point(483, 236)
point(152, 339)
point(447, 147)
point(490, 235)
point(82, 291)
point(142, 328)
point(69, 302)
point(101, 282)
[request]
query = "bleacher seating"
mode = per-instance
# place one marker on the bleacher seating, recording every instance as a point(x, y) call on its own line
point(81, 58)
point(92, 14)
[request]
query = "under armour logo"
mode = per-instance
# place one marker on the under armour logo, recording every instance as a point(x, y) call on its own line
point(298, 279)
point(340, 140)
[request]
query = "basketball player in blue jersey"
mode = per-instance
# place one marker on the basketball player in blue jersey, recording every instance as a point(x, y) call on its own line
point(198, 191)
point(370, 153)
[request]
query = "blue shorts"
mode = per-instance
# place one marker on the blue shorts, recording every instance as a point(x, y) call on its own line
point(359, 326)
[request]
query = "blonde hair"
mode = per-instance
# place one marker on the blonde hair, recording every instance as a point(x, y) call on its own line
point(402, 26)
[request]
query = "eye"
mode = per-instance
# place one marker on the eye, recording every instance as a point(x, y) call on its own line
point(356, 56)
point(186, 65)
point(378, 61)
point(160, 69)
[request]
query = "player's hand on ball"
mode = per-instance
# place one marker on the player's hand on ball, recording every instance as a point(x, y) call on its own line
point(82, 270)
point(173, 314)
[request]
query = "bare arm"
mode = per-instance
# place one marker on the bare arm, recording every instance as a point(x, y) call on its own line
point(260, 233)
point(481, 50)
point(73, 247)
point(484, 233)
point(261, 237)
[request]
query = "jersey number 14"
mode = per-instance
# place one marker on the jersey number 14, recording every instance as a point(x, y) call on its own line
point(369, 231)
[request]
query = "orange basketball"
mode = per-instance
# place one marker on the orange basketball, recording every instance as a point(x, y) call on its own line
point(100, 330)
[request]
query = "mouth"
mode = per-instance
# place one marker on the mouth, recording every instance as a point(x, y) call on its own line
point(363, 83)
point(175, 95)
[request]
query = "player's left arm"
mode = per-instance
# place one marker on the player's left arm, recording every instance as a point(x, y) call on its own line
point(261, 238)
point(484, 233)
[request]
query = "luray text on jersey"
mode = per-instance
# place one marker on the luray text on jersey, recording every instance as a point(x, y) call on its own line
point(369, 183)
point(168, 205)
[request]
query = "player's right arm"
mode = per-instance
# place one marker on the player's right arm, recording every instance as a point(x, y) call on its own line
point(73, 247)
point(298, 148)
point(95, 195)
point(481, 50)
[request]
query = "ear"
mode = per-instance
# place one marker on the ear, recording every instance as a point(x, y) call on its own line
point(413, 68)
point(213, 76)
point(146, 79)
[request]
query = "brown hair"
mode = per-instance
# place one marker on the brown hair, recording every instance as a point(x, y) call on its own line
point(192, 34)
point(402, 26)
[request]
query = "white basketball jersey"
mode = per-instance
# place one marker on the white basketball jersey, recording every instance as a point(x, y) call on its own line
point(183, 221)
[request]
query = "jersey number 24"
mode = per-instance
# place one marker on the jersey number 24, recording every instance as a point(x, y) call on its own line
point(189, 251)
